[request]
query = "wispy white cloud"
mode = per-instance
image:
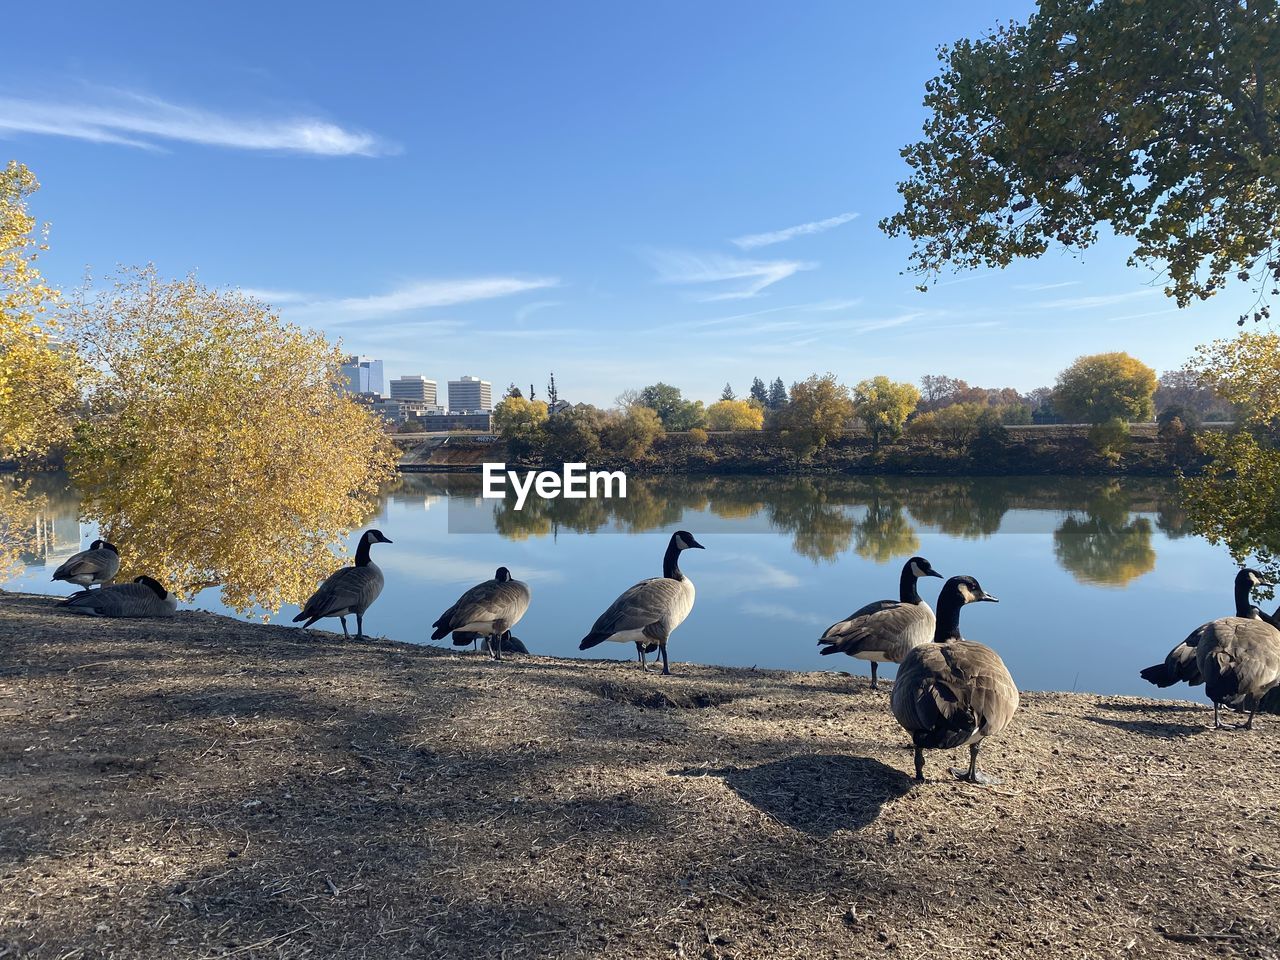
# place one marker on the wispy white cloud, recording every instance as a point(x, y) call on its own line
point(753, 276)
point(753, 240)
point(143, 121)
point(420, 295)
point(1092, 302)
point(529, 309)
point(1041, 287)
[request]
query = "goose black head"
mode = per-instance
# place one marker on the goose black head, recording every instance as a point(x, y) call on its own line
point(968, 590)
point(1254, 578)
point(97, 544)
point(920, 567)
point(503, 575)
point(683, 540)
point(108, 546)
point(154, 584)
point(375, 536)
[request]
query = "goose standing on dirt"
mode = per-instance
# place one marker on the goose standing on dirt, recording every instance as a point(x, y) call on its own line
point(1239, 658)
point(349, 590)
point(649, 612)
point(953, 692)
point(1180, 665)
point(145, 597)
point(488, 609)
point(99, 564)
point(883, 631)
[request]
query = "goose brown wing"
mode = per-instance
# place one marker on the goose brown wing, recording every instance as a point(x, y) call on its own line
point(87, 563)
point(945, 693)
point(644, 606)
point(120, 600)
point(491, 600)
point(886, 626)
point(348, 588)
point(1239, 658)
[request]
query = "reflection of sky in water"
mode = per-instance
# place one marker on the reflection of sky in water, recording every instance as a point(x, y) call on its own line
point(786, 557)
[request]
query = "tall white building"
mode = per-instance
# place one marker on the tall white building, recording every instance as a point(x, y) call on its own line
point(470, 395)
point(364, 374)
point(414, 389)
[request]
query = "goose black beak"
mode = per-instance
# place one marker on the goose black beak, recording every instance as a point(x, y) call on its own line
point(988, 598)
point(935, 573)
point(696, 545)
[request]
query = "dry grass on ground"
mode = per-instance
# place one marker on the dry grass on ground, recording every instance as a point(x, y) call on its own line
point(201, 787)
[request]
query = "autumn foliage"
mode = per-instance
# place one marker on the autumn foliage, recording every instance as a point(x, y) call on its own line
point(218, 450)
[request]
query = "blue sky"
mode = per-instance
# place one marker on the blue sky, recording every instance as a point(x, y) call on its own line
point(669, 191)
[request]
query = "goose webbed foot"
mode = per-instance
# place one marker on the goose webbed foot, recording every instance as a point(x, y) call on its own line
point(973, 774)
point(873, 675)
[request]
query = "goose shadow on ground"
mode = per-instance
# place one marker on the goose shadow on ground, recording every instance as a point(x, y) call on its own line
point(816, 794)
point(1153, 728)
point(1148, 706)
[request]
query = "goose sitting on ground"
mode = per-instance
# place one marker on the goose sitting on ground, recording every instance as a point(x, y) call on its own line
point(953, 692)
point(489, 609)
point(885, 630)
point(349, 590)
point(649, 612)
point(145, 597)
point(510, 642)
point(99, 564)
point(1180, 665)
point(1239, 658)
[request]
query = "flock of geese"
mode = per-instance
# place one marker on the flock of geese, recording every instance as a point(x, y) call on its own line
point(949, 692)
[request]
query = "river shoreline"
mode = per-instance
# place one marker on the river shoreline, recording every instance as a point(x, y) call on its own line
point(203, 786)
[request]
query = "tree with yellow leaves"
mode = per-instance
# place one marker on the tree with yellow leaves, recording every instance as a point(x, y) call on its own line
point(219, 448)
point(1235, 499)
point(37, 373)
point(735, 415)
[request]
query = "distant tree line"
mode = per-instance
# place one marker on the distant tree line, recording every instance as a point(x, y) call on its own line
point(1107, 391)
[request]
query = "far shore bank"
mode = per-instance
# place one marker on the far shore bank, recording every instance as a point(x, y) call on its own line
point(202, 786)
point(1033, 451)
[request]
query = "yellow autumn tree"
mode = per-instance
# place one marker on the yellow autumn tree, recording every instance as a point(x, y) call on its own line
point(219, 448)
point(37, 372)
point(735, 415)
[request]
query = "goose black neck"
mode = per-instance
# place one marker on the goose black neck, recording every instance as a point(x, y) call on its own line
point(362, 553)
point(671, 562)
point(1244, 602)
point(907, 591)
point(947, 624)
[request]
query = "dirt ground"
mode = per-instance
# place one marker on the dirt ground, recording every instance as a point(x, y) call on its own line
point(201, 787)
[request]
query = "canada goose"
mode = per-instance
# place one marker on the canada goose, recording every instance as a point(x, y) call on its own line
point(1239, 658)
point(952, 691)
point(348, 590)
point(489, 609)
point(99, 564)
point(510, 643)
point(650, 611)
point(1180, 664)
point(145, 597)
point(885, 630)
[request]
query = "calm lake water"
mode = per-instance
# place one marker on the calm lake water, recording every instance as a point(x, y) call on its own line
point(1097, 577)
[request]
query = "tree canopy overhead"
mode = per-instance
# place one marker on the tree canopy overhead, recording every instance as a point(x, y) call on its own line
point(1159, 121)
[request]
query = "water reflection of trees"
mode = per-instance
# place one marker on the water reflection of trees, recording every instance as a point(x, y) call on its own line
point(876, 517)
point(1106, 546)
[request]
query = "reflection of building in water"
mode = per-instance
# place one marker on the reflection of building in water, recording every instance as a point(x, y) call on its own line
point(55, 536)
